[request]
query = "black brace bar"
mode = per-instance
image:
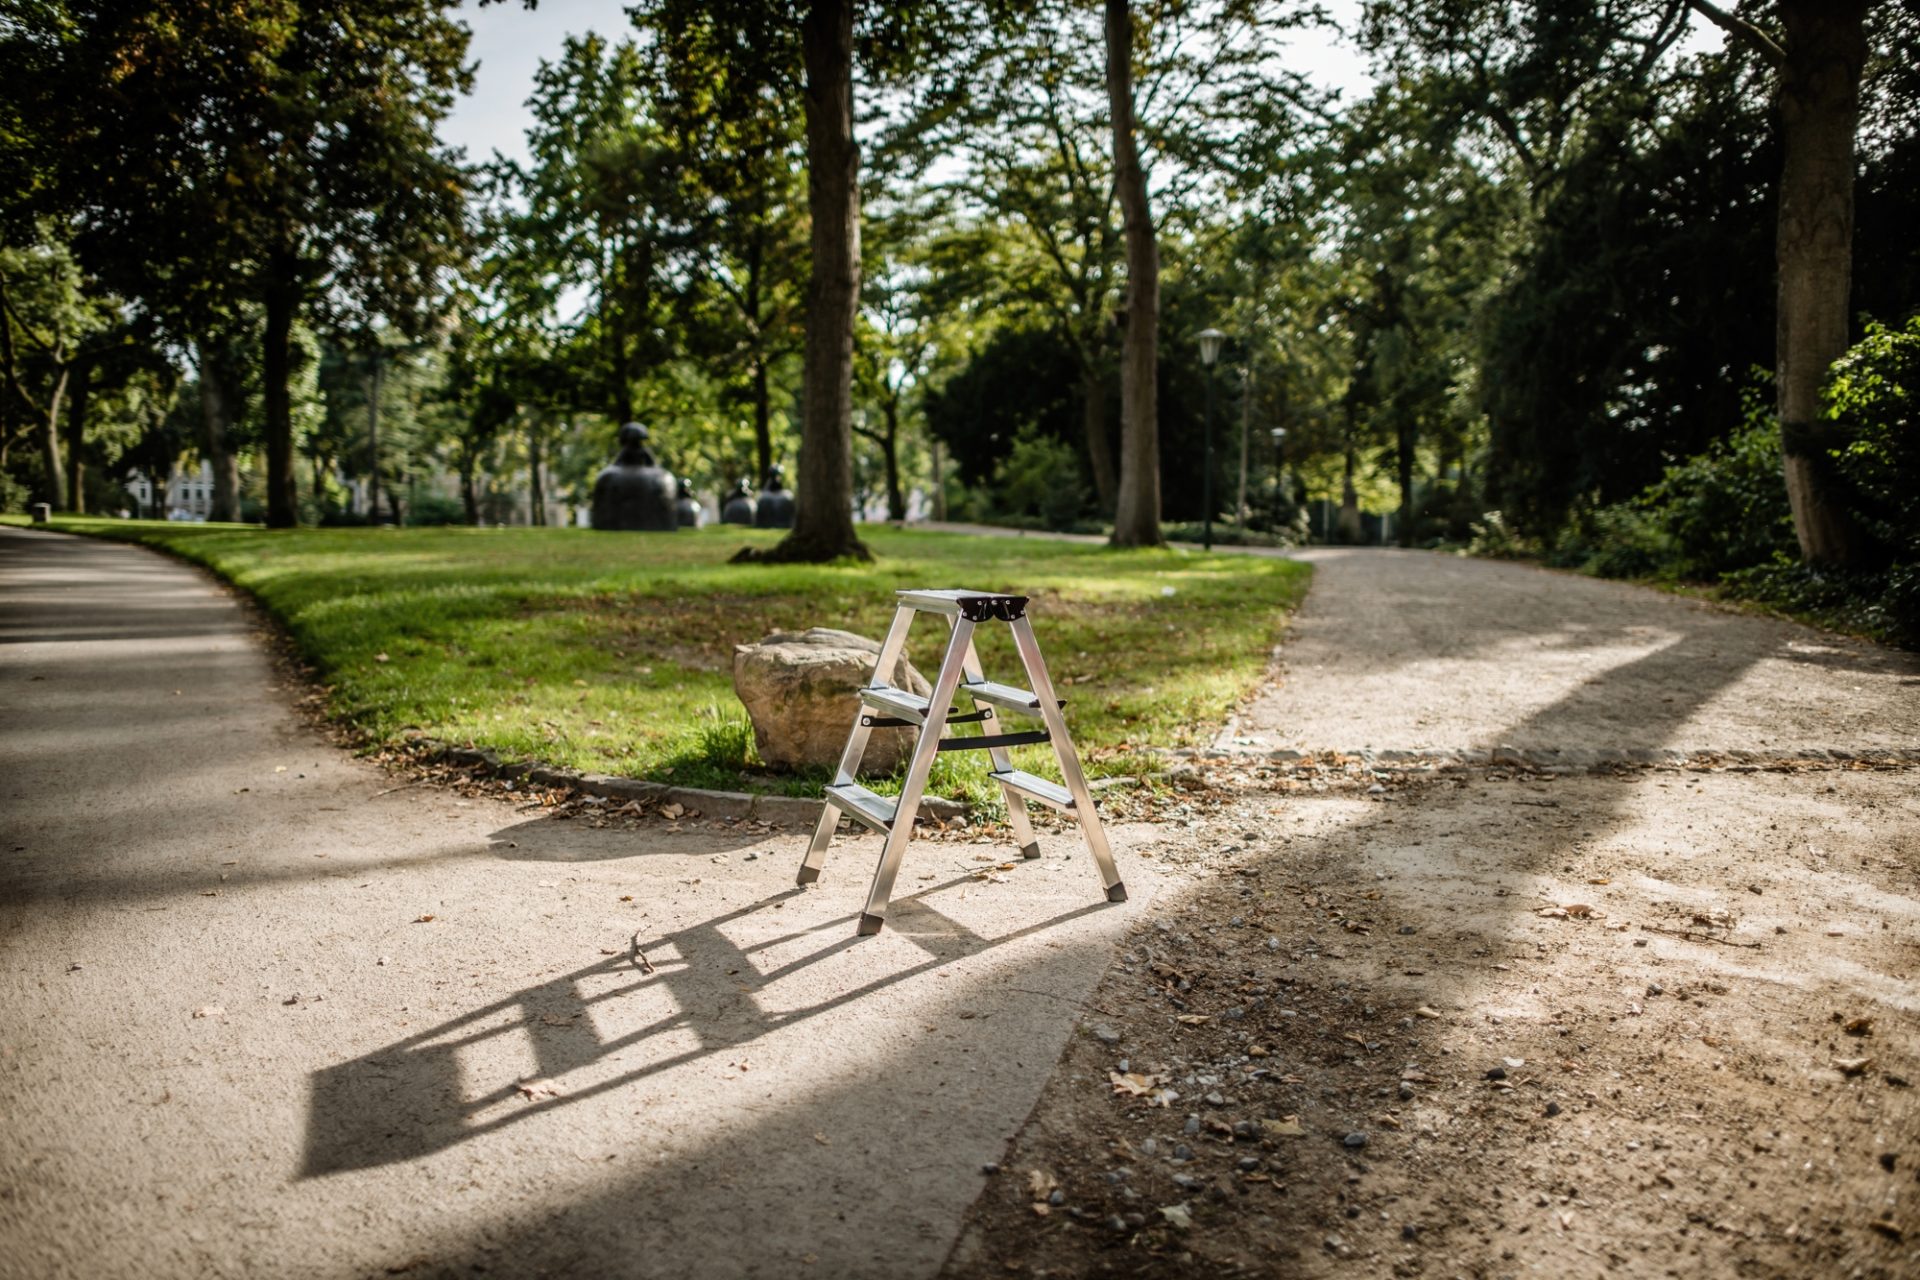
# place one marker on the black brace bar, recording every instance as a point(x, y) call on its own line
point(986, 742)
point(890, 722)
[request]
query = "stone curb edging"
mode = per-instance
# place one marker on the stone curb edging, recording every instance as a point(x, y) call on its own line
point(1569, 760)
point(783, 810)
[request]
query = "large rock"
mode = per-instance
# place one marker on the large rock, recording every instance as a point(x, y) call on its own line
point(799, 690)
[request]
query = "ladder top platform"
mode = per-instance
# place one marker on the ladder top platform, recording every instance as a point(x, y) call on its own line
point(974, 606)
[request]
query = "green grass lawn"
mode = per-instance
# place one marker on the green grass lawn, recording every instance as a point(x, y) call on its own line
point(614, 652)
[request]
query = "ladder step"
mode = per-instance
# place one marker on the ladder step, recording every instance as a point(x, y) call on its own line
point(863, 805)
point(1002, 695)
point(898, 703)
point(975, 606)
point(1036, 788)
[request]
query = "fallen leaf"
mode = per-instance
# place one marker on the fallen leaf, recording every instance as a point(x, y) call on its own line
point(1424, 1012)
point(1859, 1027)
point(1195, 1019)
point(1132, 1083)
point(671, 811)
point(209, 1011)
point(1041, 1184)
point(531, 1089)
point(823, 1139)
point(423, 919)
point(1852, 1066)
point(1287, 1128)
point(1178, 1216)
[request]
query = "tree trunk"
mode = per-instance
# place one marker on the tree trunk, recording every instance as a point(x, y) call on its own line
point(762, 419)
point(1405, 434)
point(468, 496)
point(282, 299)
point(537, 513)
point(1349, 527)
point(1136, 519)
point(890, 453)
point(823, 497)
point(216, 434)
point(1819, 101)
point(46, 430)
point(80, 391)
point(373, 433)
point(1093, 389)
point(939, 506)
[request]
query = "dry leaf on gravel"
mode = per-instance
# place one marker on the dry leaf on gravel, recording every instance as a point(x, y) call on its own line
point(1195, 1019)
point(1132, 1083)
point(1287, 1128)
point(672, 811)
point(209, 1011)
point(1041, 1184)
point(535, 1089)
point(423, 919)
point(1178, 1216)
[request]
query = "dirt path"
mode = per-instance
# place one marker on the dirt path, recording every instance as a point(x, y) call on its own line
point(268, 1010)
point(1419, 1013)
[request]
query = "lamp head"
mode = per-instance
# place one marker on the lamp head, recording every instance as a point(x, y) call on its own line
point(1210, 340)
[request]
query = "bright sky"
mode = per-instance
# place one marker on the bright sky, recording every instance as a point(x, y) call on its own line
point(509, 42)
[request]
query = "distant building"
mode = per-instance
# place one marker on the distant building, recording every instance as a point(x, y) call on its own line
point(188, 496)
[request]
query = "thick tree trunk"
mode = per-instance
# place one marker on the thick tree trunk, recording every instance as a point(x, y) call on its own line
point(1093, 391)
point(1136, 518)
point(282, 299)
point(939, 511)
point(216, 434)
point(1826, 49)
point(79, 394)
point(823, 497)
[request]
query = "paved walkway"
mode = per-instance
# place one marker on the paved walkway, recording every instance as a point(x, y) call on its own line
point(264, 1012)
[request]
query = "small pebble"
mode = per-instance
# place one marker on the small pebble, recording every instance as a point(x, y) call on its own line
point(1553, 1109)
point(1237, 921)
point(1181, 1151)
point(1654, 988)
point(1409, 1231)
point(1150, 1147)
point(1497, 1073)
point(1406, 1092)
point(1105, 1034)
point(1273, 944)
point(1192, 1126)
point(1249, 1163)
point(1355, 1140)
point(1116, 1223)
point(1215, 1100)
point(989, 1169)
point(1058, 1198)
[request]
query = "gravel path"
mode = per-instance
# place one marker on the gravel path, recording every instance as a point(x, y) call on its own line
point(267, 1010)
point(1415, 651)
point(1421, 999)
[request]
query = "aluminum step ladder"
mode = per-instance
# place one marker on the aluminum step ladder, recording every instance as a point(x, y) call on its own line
point(960, 677)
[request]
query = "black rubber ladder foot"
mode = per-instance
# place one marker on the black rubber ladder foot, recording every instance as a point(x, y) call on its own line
point(807, 875)
point(870, 924)
point(1116, 892)
point(1030, 850)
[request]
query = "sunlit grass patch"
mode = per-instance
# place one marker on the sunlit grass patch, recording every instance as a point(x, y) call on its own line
point(614, 652)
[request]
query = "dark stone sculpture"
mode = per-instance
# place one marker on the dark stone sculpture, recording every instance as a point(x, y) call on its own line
point(689, 507)
point(740, 506)
point(775, 509)
point(634, 492)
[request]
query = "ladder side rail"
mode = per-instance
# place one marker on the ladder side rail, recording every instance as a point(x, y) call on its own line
point(1016, 803)
point(849, 767)
point(1069, 759)
point(915, 785)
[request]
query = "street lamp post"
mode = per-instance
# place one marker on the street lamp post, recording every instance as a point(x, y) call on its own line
point(1210, 340)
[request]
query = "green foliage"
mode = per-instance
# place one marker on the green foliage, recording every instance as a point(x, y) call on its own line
point(1726, 508)
point(1040, 477)
point(1492, 535)
point(1873, 393)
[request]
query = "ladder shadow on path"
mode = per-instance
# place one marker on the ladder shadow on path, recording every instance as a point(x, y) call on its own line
point(414, 1097)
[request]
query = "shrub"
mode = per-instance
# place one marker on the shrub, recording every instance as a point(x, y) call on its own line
point(1493, 536)
point(1726, 509)
point(1040, 477)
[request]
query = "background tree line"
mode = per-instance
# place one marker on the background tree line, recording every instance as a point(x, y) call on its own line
point(1551, 288)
